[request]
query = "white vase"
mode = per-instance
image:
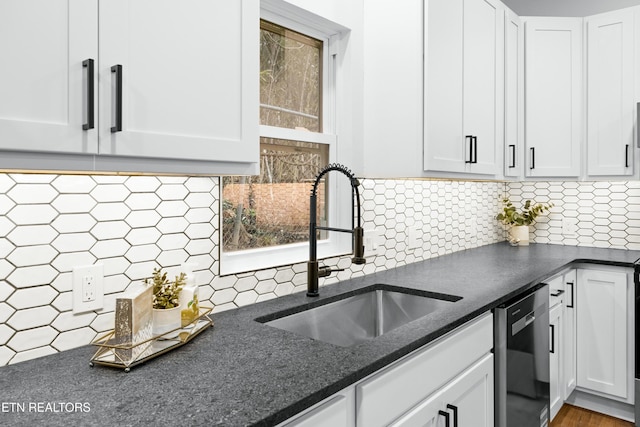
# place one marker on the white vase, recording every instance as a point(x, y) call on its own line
point(165, 320)
point(520, 234)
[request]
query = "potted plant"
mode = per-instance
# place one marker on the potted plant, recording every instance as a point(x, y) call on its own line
point(166, 301)
point(520, 220)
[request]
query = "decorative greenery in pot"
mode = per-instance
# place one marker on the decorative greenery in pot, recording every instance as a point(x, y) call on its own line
point(521, 220)
point(166, 294)
point(527, 216)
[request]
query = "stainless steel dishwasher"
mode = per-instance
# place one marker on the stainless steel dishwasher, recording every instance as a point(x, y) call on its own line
point(521, 350)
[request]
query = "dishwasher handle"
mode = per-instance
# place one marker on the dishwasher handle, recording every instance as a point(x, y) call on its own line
point(522, 323)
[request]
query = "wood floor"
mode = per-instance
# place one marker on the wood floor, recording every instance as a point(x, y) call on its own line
point(572, 416)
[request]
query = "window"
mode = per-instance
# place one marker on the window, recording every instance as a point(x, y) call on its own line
point(265, 218)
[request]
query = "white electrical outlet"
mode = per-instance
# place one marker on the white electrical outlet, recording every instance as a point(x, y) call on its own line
point(570, 227)
point(88, 288)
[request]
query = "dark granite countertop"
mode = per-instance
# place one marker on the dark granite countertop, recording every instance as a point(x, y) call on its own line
point(242, 372)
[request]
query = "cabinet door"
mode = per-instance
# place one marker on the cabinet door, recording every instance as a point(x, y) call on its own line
point(334, 413)
point(555, 359)
point(610, 92)
point(514, 91)
point(467, 401)
point(553, 88)
point(43, 84)
point(189, 79)
point(482, 65)
point(462, 68)
point(569, 335)
point(602, 334)
point(445, 147)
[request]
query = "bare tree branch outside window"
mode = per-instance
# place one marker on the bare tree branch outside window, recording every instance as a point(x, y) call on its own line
point(273, 208)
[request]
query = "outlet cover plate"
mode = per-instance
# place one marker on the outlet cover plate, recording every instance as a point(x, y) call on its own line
point(88, 288)
point(570, 227)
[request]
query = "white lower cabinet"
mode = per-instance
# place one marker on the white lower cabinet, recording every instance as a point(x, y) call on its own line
point(450, 378)
point(556, 339)
point(336, 411)
point(591, 339)
point(603, 323)
point(569, 367)
point(456, 371)
point(465, 401)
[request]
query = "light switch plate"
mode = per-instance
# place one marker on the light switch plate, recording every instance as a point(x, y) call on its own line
point(373, 242)
point(413, 238)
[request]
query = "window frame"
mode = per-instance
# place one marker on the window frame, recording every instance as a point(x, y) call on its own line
point(338, 215)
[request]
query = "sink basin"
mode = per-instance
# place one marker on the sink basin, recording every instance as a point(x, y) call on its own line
point(361, 315)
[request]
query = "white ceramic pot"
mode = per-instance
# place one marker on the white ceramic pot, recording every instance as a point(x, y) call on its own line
point(165, 320)
point(520, 233)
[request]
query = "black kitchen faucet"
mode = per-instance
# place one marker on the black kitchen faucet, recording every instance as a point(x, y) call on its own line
point(314, 270)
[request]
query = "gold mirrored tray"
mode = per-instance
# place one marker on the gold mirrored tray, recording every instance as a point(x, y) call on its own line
point(117, 355)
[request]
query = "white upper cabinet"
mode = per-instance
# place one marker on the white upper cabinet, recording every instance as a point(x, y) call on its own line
point(44, 88)
point(189, 79)
point(553, 96)
point(393, 88)
point(175, 83)
point(610, 93)
point(513, 96)
point(463, 86)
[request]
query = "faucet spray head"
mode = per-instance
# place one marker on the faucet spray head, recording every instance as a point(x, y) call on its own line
point(358, 246)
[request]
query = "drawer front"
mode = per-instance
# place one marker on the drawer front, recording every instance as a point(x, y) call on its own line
point(397, 388)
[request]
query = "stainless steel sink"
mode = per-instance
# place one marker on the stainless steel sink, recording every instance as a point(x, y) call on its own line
point(359, 317)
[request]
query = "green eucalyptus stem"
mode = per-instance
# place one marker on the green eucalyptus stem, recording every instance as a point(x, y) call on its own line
point(527, 216)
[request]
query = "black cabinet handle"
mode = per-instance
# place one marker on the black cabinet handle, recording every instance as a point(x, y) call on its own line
point(445, 414)
point(557, 294)
point(470, 139)
point(626, 156)
point(512, 147)
point(117, 101)
point(570, 305)
point(475, 149)
point(553, 338)
point(454, 409)
point(89, 112)
point(532, 164)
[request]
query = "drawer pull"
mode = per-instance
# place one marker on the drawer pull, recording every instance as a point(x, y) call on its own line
point(445, 414)
point(117, 99)
point(570, 305)
point(89, 112)
point(454, 409)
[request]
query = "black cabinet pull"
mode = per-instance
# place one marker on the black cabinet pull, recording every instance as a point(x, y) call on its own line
point(557, 294)
point(445, 414)
point(626, 156)
point(470, 139)
point(89, 111)
point(117, 101)
point(512, 147)
point(553, 338)
point(475, 149)
point(454, 409)
point(532, 161)
point(570, 305)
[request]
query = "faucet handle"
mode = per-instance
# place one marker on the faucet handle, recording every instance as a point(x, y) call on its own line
point(324, 271)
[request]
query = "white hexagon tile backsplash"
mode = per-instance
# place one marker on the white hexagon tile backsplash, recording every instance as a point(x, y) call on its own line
point(51, 223)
